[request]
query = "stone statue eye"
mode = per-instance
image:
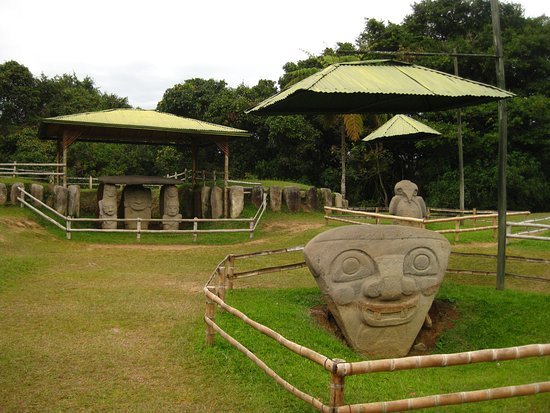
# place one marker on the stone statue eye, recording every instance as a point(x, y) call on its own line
point(352, 265)
point(421, 261)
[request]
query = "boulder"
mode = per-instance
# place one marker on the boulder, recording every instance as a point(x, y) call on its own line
point(14, 192)
point(73, 206)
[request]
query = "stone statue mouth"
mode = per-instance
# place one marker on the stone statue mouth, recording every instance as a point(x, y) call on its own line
point(388, 313)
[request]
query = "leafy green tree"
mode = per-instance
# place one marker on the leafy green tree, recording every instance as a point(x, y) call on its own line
point(19, 99)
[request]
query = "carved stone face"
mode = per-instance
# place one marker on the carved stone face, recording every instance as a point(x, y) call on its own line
point(379, 282)
point(137, 198)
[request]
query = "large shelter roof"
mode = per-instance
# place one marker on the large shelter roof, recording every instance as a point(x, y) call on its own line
point(378, 86)
point(135, 126)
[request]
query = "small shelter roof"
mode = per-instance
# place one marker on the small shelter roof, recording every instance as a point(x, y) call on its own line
point(136, 126)
point(378, 86)
point(401, 126)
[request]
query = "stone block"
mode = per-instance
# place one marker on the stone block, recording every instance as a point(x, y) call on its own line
point(37, 191)
point(311, 201)
point(205, 201)
point(326, 197)
point(3, 193)
point(338, 200)
point(275, 198)
point(14, 192)
point(236, 201)
point(257, 196)
point(216, 202)
point(291, 195)
point(73, 205)
point(61, 199)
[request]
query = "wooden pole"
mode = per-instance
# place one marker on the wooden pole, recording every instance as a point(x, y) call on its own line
point(459, 142)
point(210, 314)
point(194, 165)
point(502, 148)
point(230, 265)
point(225, 179)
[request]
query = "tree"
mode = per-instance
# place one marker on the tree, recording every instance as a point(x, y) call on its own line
point(19, 98)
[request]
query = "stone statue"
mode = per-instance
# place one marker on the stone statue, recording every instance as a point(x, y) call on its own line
point(407, 203)
point(379, 282)
point(108, 207)
point(137, 204)
point(171, 207)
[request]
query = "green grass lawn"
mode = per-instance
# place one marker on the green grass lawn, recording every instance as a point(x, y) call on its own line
point(107, 323)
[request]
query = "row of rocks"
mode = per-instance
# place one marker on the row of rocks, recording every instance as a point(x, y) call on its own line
point(207, 201)
point(66, 201)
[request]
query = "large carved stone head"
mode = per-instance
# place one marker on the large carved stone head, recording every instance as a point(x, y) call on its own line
point(379, 282)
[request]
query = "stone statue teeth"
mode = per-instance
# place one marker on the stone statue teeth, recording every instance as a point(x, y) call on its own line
point(378, 282)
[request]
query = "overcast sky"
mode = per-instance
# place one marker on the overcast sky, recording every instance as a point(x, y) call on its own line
point(138, 49)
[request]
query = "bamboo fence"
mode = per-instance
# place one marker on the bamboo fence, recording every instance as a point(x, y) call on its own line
point(68, 221)
point(225, 273)
point(422, 222)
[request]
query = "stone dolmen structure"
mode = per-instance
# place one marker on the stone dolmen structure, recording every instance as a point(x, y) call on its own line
point(378, 282)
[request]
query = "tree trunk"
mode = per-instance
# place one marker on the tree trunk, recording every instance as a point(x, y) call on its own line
point(343, 150)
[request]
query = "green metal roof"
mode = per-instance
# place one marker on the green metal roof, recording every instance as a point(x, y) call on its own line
point(401, 126)
point(135, 126)
point(378, 86)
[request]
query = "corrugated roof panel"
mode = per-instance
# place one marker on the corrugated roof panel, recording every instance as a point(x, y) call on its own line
point(145, 120)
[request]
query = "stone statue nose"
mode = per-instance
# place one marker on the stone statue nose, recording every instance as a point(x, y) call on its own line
point(389, 286)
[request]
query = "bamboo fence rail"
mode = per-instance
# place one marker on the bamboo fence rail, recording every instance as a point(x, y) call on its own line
point(340, 369)
point(68, 221)
point(423, 221)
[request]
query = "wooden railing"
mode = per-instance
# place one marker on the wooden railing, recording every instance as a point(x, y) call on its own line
point(225, 274)
point(422, 222)
point(67, 222)
point(532, 226)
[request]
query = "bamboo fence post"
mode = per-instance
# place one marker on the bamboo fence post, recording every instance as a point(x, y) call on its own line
point(22, 196)
point(138, 233)
point(474, 210)
point(377, 220)
point(195, 227)
point(14, 169)
point(68, 228)
point(91, 182)
point(457, 230)
point(220, 291)
point(230, 265)
point(336, 397)
point(251, 226)
point(210, 314)
point(495, 230)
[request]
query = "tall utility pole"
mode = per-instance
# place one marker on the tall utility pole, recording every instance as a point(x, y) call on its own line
point(502, 148)
point(459, 142)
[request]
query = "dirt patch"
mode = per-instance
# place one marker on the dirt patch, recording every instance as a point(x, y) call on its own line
point(20, 224)
point(292, 227)
point(443, 315)
point(148, 247)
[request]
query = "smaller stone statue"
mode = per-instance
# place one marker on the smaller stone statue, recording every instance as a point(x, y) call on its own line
point(108, 207)
point(407, 203)
point(171, 208)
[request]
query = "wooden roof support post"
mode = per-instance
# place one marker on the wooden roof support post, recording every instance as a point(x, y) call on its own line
point(58, 158)
point(70, 135)
point(194, 164)
point(225, 181)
